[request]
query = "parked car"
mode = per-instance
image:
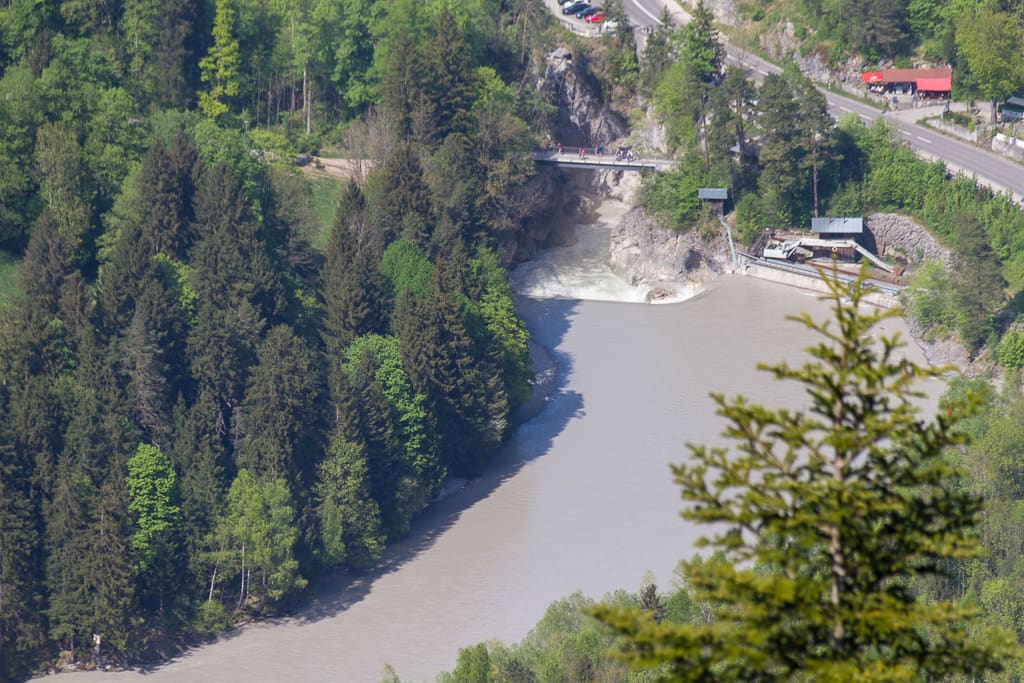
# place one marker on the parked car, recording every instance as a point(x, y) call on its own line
point(562, 2)
point(586, 12)
point(575, 7)
point(597, 17)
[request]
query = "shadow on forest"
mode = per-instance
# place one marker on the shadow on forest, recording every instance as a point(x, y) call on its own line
point(548, 320)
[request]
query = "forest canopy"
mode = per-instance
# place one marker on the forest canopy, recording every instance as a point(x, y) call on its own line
point(201, 411)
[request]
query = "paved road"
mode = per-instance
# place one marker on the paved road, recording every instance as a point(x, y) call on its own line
point(991, 169)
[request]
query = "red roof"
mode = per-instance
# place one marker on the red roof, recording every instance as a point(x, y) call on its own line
point(935, 84)
point(904, 75)
point(913, 75)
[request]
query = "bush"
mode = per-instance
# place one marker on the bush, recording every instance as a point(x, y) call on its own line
point(1010, 352)
point(211, 619)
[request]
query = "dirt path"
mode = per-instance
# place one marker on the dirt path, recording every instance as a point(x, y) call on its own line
point(339, 168)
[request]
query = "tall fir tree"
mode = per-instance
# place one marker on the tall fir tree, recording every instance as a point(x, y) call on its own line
point(437, 353)
point(21, 562)
point(448, 73)
point(352, 284)
point(281, 415)
point(230, 257)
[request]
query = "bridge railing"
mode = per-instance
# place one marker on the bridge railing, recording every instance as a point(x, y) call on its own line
point(566, 153)
point(599, 156)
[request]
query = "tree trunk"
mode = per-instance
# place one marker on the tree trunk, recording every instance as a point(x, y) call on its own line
point(306, 104)
point(213, 580)
point(838, 561)
point(814, 179)
point(241, 588)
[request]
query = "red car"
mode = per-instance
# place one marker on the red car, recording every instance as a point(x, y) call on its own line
point(596, 18)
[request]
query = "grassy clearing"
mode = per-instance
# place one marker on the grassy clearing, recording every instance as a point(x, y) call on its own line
point(325, 202)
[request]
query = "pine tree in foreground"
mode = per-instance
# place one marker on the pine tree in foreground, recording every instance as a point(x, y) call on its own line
point(822, 520)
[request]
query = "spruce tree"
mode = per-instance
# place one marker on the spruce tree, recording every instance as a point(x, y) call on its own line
point(377, 432)
point(200, 457)
point(221, 349)
point(400, 203)
point(352, 286)
point(230, 258)
point(822, 518)
point(450, 78)
point(21, 570)
point(281, 420)
point(438, 354)
point(110, 581)
point(49, 261)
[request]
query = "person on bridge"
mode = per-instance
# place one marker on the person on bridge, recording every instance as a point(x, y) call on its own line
point(559, 147)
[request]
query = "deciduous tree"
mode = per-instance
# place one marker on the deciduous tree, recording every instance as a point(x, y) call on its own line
point(989, 40)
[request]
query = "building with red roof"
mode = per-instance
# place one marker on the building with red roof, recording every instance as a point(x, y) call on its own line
point(925, 82)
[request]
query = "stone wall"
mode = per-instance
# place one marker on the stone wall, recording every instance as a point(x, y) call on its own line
point(899, 238)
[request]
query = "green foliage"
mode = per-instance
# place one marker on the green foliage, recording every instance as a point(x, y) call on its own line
point(931, 298)
point(412, 428)
point(673, 194)
point(822, 519)
point(504, 330)
point(979, 287)
point(676, 100)
point(220, 67)
point(407, 268)
point(1011, 349)
point(171, 297)
point(153, 501)
point(177, 275)
point(258, 533)
point(987, 39)
point(350, 525)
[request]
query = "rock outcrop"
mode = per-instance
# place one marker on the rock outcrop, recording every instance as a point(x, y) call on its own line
point(584, 118)
point(643, 251)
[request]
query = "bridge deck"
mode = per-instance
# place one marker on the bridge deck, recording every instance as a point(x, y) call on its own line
point(570, 157)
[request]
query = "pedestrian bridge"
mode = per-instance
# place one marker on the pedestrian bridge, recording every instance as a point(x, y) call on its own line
point(588, 158)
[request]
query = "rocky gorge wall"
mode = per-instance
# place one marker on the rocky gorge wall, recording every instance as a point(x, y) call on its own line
point(584, 116)
point(641, 250)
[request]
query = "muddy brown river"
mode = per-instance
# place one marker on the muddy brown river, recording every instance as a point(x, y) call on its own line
point(580, 499)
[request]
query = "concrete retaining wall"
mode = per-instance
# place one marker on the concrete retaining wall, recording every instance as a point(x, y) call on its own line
point(811, 282)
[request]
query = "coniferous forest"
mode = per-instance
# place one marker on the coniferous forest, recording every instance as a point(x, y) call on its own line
point(201, 411)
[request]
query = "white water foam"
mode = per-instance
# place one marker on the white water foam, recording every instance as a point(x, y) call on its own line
point(581, 271)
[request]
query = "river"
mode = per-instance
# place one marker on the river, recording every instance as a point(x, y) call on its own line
point(581, 498)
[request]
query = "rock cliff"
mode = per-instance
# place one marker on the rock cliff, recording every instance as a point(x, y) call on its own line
point(643, 251)
point(584, 118)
